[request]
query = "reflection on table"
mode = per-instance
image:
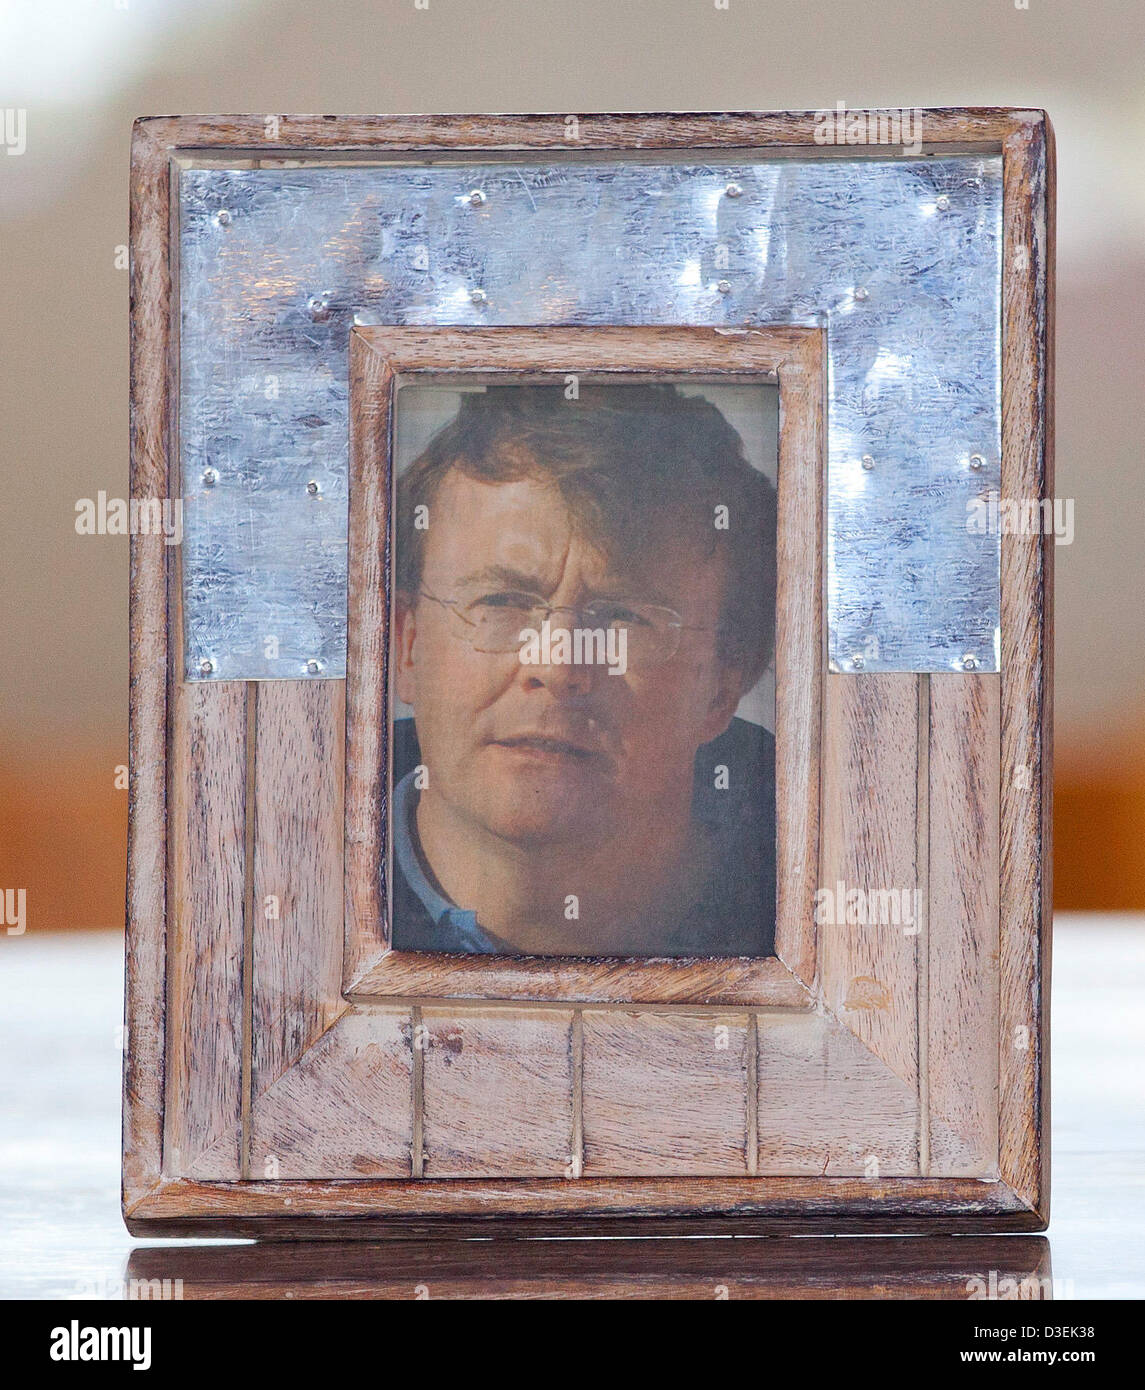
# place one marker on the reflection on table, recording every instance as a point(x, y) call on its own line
point(847, 1267)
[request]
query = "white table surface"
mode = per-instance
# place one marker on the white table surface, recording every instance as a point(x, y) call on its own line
point(60, 1009)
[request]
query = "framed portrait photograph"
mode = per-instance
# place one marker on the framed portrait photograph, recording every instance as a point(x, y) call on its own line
point(584, 599)
point(590, 760)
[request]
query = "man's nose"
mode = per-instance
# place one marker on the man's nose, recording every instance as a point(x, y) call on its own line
point(563, 677)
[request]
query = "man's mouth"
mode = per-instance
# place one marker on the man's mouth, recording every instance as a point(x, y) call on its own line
point(550, 746)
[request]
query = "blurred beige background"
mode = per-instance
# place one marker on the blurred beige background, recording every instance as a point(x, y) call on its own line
point(83, 69)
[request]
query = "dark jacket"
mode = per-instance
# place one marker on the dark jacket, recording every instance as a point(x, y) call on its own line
point(735, 915)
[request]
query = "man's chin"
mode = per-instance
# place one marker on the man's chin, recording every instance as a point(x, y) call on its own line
point(544, 816)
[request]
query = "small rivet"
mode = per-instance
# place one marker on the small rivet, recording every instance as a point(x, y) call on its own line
point(313, 488)
point(733, 190)
point(318, 308)
point(857, 663)
point(223, 217)
point(476, 198)
point(207, 666)
point(868, 462)
point(862, 293)
point(724, 287)
point(942, 203)
point(313, 667)
point(210, 477)
point(478, 296)
point(977, 461)
point(969, 662)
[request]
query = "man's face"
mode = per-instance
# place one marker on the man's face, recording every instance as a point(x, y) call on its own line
point(536, 753)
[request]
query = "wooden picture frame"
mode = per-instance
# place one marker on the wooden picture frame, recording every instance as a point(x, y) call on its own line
point(885, 1081)
point(794, 358)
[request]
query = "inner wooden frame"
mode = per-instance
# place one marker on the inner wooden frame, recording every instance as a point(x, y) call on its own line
point(380, 358)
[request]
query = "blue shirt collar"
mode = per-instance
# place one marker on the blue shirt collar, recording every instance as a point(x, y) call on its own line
point(458, 927)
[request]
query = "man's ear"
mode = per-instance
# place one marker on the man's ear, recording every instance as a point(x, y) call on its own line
point(405, 637)
point(726, 695)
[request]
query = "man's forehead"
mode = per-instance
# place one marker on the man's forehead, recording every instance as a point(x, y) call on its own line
point(524, 529)
point(475, 524)
point(476, 508)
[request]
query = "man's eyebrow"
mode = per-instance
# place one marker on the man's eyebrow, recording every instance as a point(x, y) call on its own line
point(617, 587)
point(503, 574)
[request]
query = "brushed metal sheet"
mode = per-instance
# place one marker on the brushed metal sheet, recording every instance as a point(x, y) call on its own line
point(899, 257)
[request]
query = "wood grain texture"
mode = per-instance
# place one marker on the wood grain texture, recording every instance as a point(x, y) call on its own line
point(498, 1092)
point(962, 919)
point(346, 1109)
point(799, 667)
point(552, 350)
point(552, 1206)
point(367, 936)
point(145, 1025)
point(296, 892)
point(828, 1106)
point(975, 126)
point(1027, 657)
point(666, 1093)
point(206, 908)
point(714, 982)
point(869, 971)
